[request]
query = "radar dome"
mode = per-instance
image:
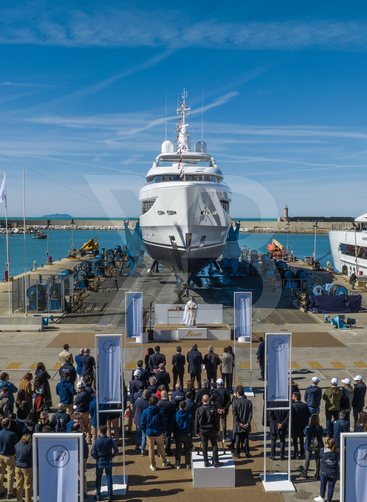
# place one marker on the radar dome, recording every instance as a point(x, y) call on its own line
point(200, 147)
point(168, 147)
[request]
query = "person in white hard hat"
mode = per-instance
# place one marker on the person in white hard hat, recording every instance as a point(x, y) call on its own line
point(358, 397)
point(313, 394)
point(332, 397)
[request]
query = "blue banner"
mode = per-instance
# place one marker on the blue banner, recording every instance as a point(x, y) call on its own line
point(58, 468)
point(109, 369)
point(355, 468)
point(278, 359)
point(243, 316)
point(134, 314)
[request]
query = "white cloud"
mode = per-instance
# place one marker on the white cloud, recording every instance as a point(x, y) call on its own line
point(153, 27)
point(9, 83)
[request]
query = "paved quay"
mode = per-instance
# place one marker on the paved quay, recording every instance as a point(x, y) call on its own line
point(318, 349)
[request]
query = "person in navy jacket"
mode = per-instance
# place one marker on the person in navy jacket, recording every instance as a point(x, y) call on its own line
point(329, 471)
point(8, 440)
point(153, 423)
point(139, 406)
point(103, 451)
point(183, 428)
point(23, 468)
point(313, 395)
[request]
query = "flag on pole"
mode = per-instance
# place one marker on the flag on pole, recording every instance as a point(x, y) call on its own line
point(3, 189)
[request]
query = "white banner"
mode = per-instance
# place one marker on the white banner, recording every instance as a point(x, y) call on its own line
point(57, 461)
point(109, 369)
point(134, 314)
point(243, 316)
point(277, 350)
point(353, 473)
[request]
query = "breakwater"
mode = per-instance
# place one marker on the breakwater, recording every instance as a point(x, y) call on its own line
point(307, 225)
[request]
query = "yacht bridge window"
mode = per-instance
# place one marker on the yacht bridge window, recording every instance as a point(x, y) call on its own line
point(350, 250)
point(185, 177)
point(225, 205)
point(147, 204)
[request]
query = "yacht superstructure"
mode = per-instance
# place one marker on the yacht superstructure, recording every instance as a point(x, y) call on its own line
point(185, 204)
point(349, 248)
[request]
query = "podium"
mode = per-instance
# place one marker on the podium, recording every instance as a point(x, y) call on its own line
point(213, 477)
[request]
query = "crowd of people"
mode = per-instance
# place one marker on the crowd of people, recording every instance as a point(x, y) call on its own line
point(26, 409)
point(196, 401)
point(342, 403)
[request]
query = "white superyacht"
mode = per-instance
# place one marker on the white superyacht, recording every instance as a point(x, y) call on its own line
point(185, 204)
point(349, 248)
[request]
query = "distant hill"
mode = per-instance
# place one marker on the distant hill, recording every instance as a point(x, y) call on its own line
point(60, 216)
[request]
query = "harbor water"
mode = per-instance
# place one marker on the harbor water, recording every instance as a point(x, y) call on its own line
point(59, 242)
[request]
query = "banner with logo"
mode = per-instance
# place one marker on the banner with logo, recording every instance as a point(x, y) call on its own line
point(134, 314)
point(243, 316)
point(353, 472)
point(56, 470)
point(278, 359)
point(109, 369)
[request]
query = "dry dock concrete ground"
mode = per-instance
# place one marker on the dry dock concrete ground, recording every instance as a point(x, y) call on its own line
point(317, 349)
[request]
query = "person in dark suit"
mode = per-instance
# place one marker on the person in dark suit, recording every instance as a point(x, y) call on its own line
point(195, 360)
point(242, 416)
point(299, 418)
point(178, 367)
point(207, 426)
point(163, 377)
point(279, 421)
point(222, 401)
point(211, 363)
point(169, 410)
point(260, 354)
point(156, 359)
point(358, 397)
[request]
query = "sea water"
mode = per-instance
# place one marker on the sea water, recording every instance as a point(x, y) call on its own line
point(59, 242)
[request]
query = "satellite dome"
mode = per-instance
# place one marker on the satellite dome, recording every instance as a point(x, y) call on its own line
point(167, 146)
point(201, 147)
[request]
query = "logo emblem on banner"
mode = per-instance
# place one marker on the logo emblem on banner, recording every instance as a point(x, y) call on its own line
point(278, 345)
point(360, 455)
point(109, 346)
point(58, 456)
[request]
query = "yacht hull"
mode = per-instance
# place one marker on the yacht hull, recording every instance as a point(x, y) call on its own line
point(187, 226)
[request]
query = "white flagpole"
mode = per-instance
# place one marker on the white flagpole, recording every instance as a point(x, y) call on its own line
point(4, 197)
point(25, 247)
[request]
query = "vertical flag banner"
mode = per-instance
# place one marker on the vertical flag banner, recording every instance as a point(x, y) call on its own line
point(57, 464)
point(3, 189)
point(353, 473)
point(278, 354)
point(109, 369)
point(134, 314)
point(243, 316)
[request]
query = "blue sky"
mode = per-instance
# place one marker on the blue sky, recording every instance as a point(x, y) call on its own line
point(83, 88)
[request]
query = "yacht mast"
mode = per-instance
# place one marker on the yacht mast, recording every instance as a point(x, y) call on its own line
point(183, 142)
